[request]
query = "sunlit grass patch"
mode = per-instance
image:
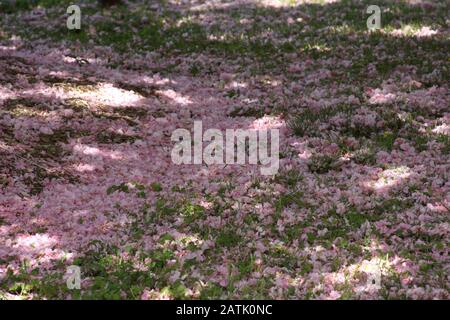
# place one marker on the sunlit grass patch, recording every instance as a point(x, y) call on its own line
point(25, 107)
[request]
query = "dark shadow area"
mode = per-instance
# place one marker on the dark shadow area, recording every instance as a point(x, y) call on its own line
point(85, 125)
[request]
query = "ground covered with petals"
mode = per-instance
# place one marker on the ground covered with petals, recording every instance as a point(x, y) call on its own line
point(86, 176)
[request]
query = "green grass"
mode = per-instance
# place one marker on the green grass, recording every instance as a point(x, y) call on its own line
point(176, 36)
point(228, 238)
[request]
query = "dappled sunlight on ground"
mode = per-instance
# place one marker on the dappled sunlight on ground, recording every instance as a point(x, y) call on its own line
point(87, 179)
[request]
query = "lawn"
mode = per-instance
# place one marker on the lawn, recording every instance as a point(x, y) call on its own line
point(358, 207)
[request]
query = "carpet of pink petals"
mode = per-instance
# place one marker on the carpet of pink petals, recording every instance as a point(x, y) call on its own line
point(85, 151)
